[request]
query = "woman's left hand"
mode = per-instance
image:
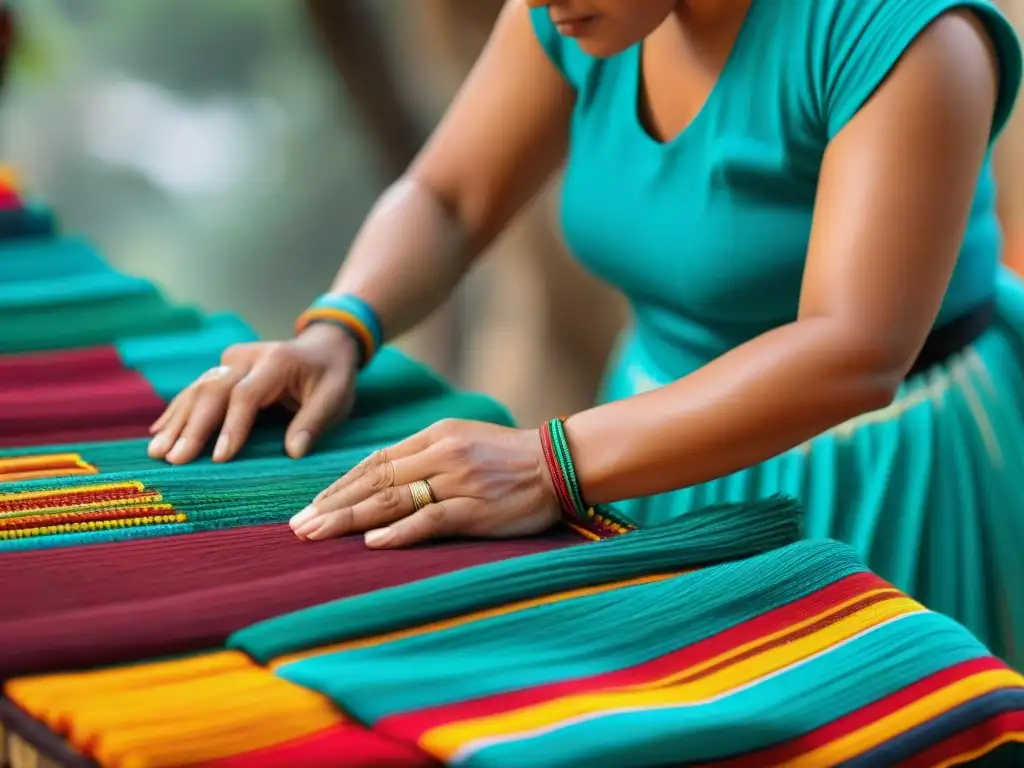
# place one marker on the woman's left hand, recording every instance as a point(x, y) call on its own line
point(487, 482)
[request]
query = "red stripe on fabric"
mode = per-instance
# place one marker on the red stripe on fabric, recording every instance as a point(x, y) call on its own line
point(347, 745)
point(124, 399)
point(78, 435)
point(411, 726)
point(57, 367)
point(966, 744)
point(863, 717)
point(119, 495)
point(121, 602)
point(73, 396)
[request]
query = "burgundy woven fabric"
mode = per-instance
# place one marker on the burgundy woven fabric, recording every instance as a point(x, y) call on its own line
point(57, 367)
point(77, 396)
point(113, 603)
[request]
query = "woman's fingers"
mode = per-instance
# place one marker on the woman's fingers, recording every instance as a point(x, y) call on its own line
point(158, 425)
point(434, 521)
point(373, 475)
point(250, 394)
point(376, 463)
point(329, 399)
point(176, 417)
point(379, 496)
point(380, 509)
point(212, 393)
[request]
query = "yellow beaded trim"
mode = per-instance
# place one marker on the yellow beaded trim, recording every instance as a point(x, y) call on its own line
point(602, 520)
point(97, 525)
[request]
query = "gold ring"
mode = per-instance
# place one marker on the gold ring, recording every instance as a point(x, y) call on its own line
point(422, 495)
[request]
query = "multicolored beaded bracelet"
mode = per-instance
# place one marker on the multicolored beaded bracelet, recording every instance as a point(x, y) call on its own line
point(350, 313)
point(601, 521)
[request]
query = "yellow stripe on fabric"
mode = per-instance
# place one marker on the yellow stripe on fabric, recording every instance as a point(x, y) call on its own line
point(130, 485)
point(94, 525)
point(345, 318)
point(458, 621)
point(447, 740)
point(203, 720)
point(175, 713)
point(920, 711)
point(740, 650)
point(46, 696)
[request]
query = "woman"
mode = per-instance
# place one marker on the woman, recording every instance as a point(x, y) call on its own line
point(796, 198)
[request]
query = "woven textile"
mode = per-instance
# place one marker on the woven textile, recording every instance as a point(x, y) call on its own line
point(716, 640)
point(106, 604)
point(622, 656)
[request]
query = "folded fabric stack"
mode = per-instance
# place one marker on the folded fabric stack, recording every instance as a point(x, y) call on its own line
point(158, 617)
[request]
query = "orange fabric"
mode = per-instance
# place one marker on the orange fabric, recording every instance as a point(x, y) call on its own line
point(175, 713)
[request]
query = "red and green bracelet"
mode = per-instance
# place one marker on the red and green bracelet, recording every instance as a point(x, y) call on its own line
point(601, 521)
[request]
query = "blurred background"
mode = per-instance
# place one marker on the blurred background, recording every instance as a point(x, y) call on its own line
point(229, 151)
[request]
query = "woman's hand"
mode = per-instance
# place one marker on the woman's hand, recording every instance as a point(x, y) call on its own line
point(487, 482)
point(313, 374)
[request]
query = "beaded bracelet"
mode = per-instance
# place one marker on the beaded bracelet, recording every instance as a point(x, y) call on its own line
point(350, 313)
point(601, 521)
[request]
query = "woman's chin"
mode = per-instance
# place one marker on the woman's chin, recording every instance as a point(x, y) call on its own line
point(599, 47)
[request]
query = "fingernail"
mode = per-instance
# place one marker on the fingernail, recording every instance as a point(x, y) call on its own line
point(178, 449)
point(380, 537)
point(313, 530)
point(158, 445)
point(301, 517)
point(220, 450)
point(299, 444)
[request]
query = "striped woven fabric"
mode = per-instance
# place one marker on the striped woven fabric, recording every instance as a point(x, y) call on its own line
point(615, 653)
point(718, 640)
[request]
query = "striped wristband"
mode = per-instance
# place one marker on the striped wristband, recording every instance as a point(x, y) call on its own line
point(350, 313)
point(600, 521)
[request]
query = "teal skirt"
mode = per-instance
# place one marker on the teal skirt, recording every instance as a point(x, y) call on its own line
point(929, 491)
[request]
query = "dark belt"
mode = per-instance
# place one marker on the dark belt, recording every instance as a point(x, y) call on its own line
point(952, 337)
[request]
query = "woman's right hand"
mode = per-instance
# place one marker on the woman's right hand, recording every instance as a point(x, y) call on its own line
point(313, 374)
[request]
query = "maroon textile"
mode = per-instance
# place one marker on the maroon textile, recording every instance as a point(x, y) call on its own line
point(111, 603)
point(70, 397)
point(59, 367)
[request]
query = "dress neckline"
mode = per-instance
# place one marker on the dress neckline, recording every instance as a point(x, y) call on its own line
point(635, 79)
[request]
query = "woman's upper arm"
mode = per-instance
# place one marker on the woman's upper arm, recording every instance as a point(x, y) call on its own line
point(896, 189)
point(504, 134)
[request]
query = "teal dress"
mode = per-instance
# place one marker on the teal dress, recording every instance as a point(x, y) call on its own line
point(707, 237)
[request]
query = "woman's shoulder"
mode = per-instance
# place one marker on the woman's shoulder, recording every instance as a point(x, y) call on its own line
point(853, 45)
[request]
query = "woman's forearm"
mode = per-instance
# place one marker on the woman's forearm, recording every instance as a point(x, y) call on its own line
point(408, 257)
point(760, 399)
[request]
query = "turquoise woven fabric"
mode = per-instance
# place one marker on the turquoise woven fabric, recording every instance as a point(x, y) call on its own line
point(710, 535)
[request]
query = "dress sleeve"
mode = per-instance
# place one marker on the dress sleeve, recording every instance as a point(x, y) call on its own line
point(573, 63)
point(867, 38)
